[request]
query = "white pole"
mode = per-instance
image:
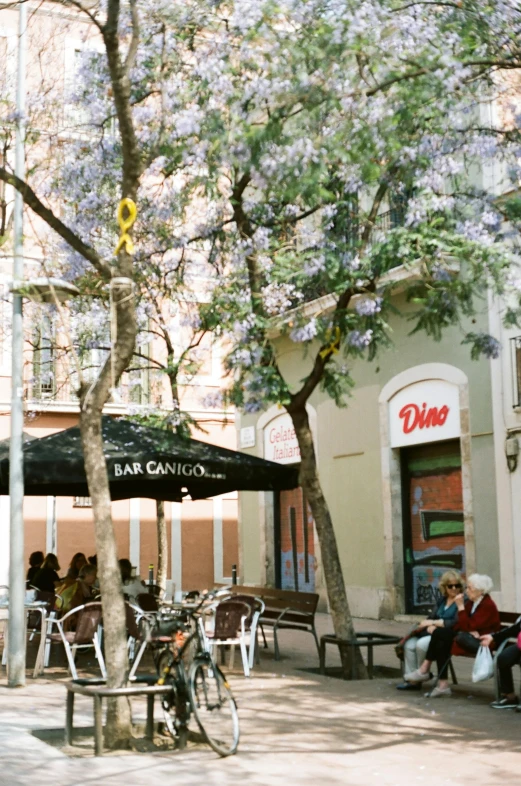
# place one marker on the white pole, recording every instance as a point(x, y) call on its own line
point(16, 623)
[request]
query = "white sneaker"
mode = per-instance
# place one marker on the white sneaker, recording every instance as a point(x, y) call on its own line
point(437, 692)
point(417, 676)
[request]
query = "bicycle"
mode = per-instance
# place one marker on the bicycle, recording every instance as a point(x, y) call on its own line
point(202, 687)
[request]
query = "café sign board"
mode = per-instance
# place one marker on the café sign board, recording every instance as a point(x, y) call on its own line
point(280, 441)
point(427, 411)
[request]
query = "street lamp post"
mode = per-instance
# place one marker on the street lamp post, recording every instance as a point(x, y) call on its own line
point(16, 621)
point(46, 290)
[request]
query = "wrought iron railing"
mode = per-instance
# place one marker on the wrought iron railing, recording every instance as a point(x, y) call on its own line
point(384, 223)
point(57, 389)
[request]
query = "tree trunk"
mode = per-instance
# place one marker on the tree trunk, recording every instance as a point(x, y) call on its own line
point(162, 545)
point(118, 729)
point(335, 585)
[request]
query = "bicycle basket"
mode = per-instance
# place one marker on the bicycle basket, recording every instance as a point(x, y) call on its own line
point(168, 626)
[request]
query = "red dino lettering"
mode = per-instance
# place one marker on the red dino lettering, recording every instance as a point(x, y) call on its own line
point(414, 417)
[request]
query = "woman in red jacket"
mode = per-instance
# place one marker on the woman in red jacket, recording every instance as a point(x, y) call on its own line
point(478, 616)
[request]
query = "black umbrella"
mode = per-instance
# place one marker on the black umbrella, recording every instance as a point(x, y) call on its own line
point(143, 462)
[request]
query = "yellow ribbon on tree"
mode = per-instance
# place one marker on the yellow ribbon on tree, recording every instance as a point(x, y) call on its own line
point(125, 224)
point(334, 346)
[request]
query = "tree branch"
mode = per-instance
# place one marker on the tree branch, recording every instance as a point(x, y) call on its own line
point(50, 218)
point(132, 164)
point(134, 43)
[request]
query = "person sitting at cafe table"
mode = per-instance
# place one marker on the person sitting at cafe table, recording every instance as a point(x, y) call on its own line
point(47, 576)
point(75, 565)
point(81, 591)
point(35, 563)
point(132, 585)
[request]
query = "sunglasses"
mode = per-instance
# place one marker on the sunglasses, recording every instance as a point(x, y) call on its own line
point(454, 586)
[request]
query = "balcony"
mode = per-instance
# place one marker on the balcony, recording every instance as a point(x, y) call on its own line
point(57, 393)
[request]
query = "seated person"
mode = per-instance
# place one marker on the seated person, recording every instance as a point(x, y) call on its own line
point(75, 565)
point(35, 563)
point(132, 585)
point(443, 616)
point(510, 656)
point(87, 582)
point(47, 577)
point(477, 617)
point(81, 591)
point(94, 561)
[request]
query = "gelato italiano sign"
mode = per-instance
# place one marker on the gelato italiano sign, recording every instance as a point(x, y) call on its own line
point(280, 441)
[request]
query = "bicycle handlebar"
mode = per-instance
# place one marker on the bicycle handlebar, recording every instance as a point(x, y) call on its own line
point(210, 595)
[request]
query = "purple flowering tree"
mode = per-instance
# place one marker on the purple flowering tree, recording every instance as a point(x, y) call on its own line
point(339, 151)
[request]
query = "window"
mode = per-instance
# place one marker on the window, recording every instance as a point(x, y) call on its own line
point(139, 386)
point(398, 207)
point(346, 223)
point(515, 344)
point(44, 377)
point(77, 114)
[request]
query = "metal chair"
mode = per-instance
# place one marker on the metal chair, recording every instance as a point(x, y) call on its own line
point(86, 635)
point(231, 628)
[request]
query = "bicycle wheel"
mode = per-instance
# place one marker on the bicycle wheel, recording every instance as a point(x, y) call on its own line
point(176, 706)
point(214, 706)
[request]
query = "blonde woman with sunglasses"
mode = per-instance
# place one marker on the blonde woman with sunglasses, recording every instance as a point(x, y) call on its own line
point(443, 616)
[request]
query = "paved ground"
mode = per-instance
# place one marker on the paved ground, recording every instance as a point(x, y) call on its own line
point(296, 728)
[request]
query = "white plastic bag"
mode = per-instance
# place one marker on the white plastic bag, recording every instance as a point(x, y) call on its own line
point(483, 665)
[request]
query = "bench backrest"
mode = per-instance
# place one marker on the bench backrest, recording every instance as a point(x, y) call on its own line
point(508, 618)
point(281, 599)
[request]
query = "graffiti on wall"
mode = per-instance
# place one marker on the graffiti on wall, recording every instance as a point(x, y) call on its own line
point(437, 532)
point(428, 566)
point(297, 551)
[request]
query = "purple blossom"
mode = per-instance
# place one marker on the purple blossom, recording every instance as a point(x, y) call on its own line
point(475, 232)
point(314, 265)
point(368, 306)
point(213, 400)
point(440, 274)
point(304, 332)
point(484, 344)
point(359, 340)
point(251, 407)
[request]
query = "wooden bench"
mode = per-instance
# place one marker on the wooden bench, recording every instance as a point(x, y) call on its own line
point(284, 610)
point(98, 690)
point(507, 618)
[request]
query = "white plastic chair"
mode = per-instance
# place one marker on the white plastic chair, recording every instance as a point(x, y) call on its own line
point(233, 625)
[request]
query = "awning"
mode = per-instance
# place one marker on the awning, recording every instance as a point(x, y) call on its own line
point(143, 462)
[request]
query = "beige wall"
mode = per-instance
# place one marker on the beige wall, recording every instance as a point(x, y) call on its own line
point(349, 444)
